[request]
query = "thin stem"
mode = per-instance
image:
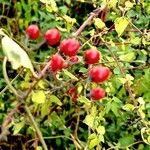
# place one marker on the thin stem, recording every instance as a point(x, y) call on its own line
point(7, 79)
point(36, 127)
point(1, 92)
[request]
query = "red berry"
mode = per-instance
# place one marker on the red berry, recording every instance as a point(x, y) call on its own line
point(99, 74)
point(97, 93)
point(91, 56)
point(52, 36)
point(74, 59)
point(70, 47)
point(33, 31)
point(57, 63)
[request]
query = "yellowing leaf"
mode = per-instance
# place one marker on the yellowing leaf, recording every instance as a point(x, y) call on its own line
point(51, 6)
point(15, 54)
point(69, 22)
point(93, 142)
point(39, 97)
point(84, 100)
point(39, 148)
point(17, 127)
point(89, 120)
point(148, 139)
point(45, 1)
point(99, 23)
point(112, 3)
point(101, 130)
point(121, 24)
point(128, 4)
point(69, 74)
point(128, 107)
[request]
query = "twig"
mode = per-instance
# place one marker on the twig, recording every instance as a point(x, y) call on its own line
point(7, 79)
point(1, 92)
point(36, 127)
point(88, 20)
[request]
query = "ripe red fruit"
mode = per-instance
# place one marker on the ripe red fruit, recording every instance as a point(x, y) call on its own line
point(97, 93)
point(33, 31)
point(91, 56)
point(57, 62)
point(74, 59)
point(70, 47)
point(52, 36)
point(99, 74)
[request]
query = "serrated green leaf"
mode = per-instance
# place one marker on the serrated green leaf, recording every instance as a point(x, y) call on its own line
point(121, 24)
point(69, 74)
point(55, 100)
point(129, 57)
point(39, 97)
point(126, 141)
point(15, 54)
point(114, 108)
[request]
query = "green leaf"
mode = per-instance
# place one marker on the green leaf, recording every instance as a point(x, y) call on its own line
point(129, 57)
point(15, 54)
point(114, 107)
point(126, 141)
point(69, 74)
point(39, 97)
point(55, 100)
point(121, 24)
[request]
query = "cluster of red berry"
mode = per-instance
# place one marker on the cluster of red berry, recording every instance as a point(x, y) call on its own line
point(70, 47)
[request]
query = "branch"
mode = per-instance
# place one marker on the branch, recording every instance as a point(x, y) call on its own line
point(23, 99)
point(89, 19)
